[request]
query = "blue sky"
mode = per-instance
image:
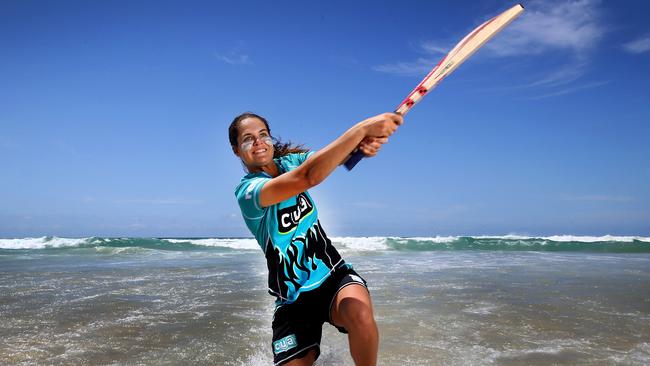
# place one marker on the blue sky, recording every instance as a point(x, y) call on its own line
point(113, 115)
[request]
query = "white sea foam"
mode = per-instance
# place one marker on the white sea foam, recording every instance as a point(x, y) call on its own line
point(558, 238)
point(361, 244)
point(481, 308)
point(42, 242)
point(505, 237)
point(638, 355)
point(434, 239)
point(248, 244)
point(482, 355)
point(119, 250)
point(591, 239)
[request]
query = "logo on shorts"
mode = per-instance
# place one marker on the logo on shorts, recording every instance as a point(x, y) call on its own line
point(356, 279)
point(284, 344)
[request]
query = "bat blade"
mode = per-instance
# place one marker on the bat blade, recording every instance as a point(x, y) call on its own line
point(461, 52)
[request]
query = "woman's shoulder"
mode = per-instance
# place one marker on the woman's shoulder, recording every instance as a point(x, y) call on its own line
point(249, 178)
point(292, 160)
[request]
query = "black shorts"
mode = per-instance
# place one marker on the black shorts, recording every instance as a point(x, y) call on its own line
point(297, 327)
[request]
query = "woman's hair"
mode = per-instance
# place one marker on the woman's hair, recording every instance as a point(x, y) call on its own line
point(280, 148)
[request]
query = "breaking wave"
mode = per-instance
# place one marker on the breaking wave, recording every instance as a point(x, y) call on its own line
point(564, 243)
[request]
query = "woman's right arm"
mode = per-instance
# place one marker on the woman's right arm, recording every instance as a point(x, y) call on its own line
point(323, 162)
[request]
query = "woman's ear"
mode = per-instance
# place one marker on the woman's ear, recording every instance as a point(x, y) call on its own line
point(235, 150)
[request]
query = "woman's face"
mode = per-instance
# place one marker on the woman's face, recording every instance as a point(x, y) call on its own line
point(254, 143)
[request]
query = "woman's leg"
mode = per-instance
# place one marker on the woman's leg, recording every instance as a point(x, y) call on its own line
point(352, 310)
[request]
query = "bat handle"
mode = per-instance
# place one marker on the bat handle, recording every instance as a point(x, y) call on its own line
point(356, 157)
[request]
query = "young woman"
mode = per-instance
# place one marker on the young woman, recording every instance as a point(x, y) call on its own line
point(311, 282)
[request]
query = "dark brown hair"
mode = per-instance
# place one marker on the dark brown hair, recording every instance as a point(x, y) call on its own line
point(280, 148)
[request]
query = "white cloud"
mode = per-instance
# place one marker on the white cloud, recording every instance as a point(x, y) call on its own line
point(545, 26)
point(369, 205)
point(345, 61)
point(157, 201)
point(599, 198)
point(572, 89)
point(234, 58)
point(64, 147)
point(569, 30)
point(565, 30)
point(640, 45)
point(6, 143)
point(421, 66)
point(564, 74)
point(434, 48)
point(549, 26)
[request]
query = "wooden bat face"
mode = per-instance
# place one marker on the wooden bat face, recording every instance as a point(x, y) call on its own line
point(461, 52)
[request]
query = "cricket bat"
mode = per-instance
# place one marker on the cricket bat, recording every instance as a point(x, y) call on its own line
point(461, 52)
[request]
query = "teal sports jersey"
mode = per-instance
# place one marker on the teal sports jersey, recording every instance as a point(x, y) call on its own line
point(298, 254)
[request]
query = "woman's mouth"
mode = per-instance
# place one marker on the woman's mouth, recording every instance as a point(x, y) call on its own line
point(259, 152)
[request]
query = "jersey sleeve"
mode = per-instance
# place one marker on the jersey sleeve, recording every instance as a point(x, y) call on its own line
point(301, 157)
point(292, 161)
point(248, 197)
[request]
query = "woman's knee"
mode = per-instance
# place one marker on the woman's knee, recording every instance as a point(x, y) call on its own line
point(357, 315)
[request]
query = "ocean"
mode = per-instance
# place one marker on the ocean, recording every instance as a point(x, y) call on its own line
point(510, 300)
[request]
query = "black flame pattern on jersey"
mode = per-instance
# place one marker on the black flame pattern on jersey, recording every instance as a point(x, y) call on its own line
point(301, 256)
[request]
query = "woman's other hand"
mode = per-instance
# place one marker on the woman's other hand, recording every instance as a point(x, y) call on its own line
point(382, 125)
point(370, 145)
point(377, 130)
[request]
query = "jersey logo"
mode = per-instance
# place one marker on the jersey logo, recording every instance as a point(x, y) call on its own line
point(285, 344)
point(290, 217)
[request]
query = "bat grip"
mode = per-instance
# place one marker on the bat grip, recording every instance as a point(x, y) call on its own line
point(357, 155)
point(354, 159)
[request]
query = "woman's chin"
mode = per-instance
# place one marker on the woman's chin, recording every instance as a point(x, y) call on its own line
point(259, 161)
point(264, 160)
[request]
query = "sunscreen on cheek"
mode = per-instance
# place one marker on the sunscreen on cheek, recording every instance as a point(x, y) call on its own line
point(246, 146)
point(250, 141)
